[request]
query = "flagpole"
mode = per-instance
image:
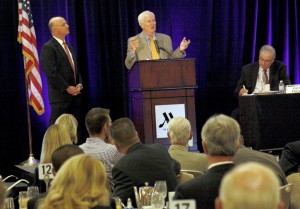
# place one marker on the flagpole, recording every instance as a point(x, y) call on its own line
point(31, 161)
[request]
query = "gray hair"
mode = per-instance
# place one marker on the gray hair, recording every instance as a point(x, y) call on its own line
point(268, 48)
point(221, 135)
point(142, 16)
point(179, 130)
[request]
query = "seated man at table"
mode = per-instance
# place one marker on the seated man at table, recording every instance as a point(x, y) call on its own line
point(179, 134)
point(220, 141)
point(141, 162)
point(266, 71)
point(250, 185)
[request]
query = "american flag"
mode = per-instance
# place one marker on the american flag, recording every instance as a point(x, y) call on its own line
point(26, 37)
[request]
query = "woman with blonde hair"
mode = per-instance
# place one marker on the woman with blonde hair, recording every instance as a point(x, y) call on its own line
point(71, 124)
point(79, 184)
point(55, 136)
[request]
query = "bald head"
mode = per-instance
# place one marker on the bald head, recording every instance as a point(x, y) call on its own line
point(58, 27)
point(250, 185)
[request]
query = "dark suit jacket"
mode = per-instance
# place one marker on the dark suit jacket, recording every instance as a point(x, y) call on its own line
point(143, 163)
point(244, 155)
point(290, 158)
point(58, 70)
point(204, 189)
point(144, 53)
point(250, 72)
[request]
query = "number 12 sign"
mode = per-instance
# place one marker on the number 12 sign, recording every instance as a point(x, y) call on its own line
point(45, 171)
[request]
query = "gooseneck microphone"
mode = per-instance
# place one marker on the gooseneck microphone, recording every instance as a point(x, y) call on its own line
point(158, 48)
point(156, 45)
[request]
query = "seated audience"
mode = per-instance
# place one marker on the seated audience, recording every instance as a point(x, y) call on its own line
point(59, 156)
point(79, 183)
point(141, 162)
point(71, 124)
point(250, 185)
point(3, 194)
point(220, 140)
point(290, 158)
point(179, 134)
point(98, 123)
point(245, 154)
point(55, 136)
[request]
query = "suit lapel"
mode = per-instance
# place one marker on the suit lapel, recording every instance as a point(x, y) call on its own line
point(254, 75)
point(61, 51)
point(144, 52)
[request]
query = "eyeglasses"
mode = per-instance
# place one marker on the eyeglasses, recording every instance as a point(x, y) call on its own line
point(264, 60)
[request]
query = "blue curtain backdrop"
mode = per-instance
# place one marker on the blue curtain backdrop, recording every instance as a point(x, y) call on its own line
point(225, 35)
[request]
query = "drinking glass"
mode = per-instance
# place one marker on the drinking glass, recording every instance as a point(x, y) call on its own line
point(9, 203)
point(157, 200)
point(32, 191)
point(23, 199)
point(161, 187)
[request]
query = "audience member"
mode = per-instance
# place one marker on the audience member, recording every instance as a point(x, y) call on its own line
point(245, 154)
point(220, 140)
point(70, 122)
point(179, 134)
point(59, 156)
point(3, 194)
point(290, 158)
point(98, 123)
point(55, 136)
point(250, 185)
point(141, 162)
point(79, 183)
point(149, 45)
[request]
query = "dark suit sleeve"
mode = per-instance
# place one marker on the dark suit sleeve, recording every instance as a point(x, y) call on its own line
point(290, 158)
point(49, 64)
point(123, 186)
point(283, 75)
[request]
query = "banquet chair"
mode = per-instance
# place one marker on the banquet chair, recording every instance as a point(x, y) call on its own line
point(184, 177)
point(195, 173)
point(285, 192)
point(295, 180)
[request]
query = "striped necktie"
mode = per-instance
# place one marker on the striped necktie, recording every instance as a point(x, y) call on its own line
point(70, 59)
point(266, 79)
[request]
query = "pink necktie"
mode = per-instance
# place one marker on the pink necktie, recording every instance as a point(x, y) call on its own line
point(266, 79)
point(70, 59)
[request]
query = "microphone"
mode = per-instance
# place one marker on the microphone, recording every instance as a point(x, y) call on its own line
point(156, 45)
point(158, 48)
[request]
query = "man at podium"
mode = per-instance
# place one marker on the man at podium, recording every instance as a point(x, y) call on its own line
point(149, 45)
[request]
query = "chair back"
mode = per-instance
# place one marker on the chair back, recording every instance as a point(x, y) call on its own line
point(184, 177)
point(295, 180)
point(195, 173)
point(285, 192)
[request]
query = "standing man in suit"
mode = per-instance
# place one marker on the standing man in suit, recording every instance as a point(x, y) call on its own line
point(179, 134)
point(64, 80)
point(149, 45)
point(253, 77)
point(220, 141)
point(141, 162)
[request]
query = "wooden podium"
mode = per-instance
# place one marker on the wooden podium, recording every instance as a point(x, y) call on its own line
point(161, 82)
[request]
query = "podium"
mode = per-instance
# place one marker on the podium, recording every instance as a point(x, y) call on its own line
point(156, 83)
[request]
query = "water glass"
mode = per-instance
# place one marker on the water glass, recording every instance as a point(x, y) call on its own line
point(32, 191)
point(9, 203)
point(161, 187)
point(23, 199)
point(157, 200)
